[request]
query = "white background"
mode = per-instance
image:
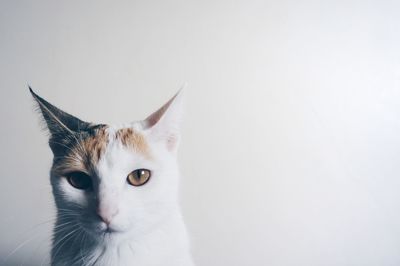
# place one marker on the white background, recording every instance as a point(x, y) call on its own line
point(291, 140)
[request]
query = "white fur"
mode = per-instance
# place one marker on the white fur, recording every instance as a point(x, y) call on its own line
point(149, 227)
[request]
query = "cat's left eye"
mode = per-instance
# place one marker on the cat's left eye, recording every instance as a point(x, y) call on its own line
point(138, 177)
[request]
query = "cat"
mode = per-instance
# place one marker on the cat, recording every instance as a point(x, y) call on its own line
point(116, 190)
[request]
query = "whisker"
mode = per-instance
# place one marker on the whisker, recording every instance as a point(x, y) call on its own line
point(62, 225)
point(17, 248)
point(26, 232)
point(63, 240)
point(42, 242)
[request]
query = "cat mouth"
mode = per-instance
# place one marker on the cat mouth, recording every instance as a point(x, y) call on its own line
point(110, 230)
point(99, 230)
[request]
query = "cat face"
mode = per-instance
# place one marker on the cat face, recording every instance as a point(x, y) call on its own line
point(113, 182)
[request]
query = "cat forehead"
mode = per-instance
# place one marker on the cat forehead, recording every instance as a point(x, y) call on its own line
point(93, 146)
point(130, 137)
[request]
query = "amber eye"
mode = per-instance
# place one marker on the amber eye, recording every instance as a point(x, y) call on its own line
point(79, 180)
point(139, 177)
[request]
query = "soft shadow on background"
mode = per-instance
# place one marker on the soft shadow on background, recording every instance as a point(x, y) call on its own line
point(291, 142)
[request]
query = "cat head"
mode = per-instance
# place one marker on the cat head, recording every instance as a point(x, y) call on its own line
point(114, 181)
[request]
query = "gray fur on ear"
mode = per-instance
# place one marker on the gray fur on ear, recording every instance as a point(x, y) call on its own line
point(63, 127)
point(58, 121)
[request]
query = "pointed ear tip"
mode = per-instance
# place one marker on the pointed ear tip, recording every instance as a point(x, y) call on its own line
point(183, 88)
point(32, 92)
point(180, 94)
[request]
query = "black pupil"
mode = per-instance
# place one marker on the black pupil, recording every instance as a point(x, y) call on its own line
point(140, 174)
point(80, 180)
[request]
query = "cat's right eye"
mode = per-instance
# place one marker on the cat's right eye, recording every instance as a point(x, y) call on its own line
point(79, 180)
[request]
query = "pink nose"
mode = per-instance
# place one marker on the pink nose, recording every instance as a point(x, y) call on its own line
point(106, 214)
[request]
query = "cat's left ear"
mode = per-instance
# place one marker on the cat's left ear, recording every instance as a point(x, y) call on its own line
point(164, 124)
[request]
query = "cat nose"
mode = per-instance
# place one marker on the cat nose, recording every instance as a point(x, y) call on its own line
point(106, 214)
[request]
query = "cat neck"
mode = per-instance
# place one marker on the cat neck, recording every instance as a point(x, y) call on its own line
point(166, 245)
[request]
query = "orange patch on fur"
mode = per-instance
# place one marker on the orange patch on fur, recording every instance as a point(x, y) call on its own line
point(134, 140)
point(85, 154)
point(96, 145)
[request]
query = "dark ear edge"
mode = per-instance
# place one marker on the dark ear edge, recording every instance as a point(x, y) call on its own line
point(58, 122)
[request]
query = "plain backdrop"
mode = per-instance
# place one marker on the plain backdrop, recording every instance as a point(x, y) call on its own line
point(291, 139)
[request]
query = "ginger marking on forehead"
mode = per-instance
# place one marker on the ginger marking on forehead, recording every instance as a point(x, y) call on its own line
point(71, 162)
point(133, 139)
point(95, 146)
point(85, 154)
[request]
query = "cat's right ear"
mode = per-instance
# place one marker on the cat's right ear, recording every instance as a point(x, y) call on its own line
point(58, 122)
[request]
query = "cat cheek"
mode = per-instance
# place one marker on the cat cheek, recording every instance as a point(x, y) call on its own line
point(71, 194)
